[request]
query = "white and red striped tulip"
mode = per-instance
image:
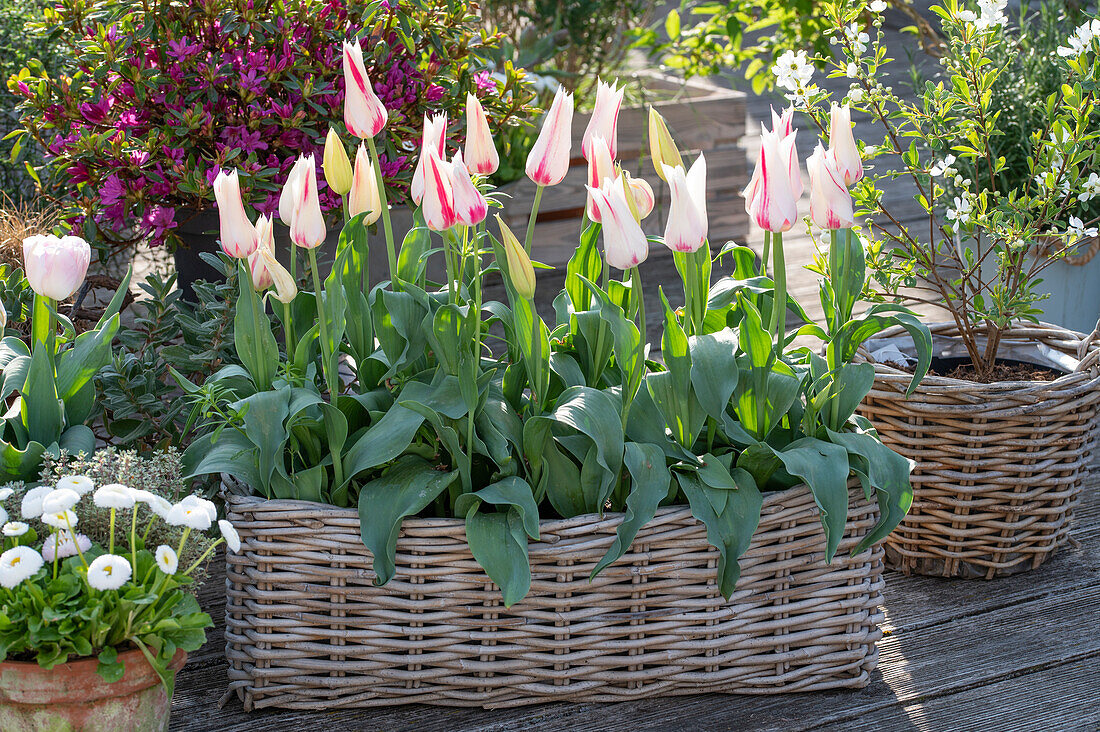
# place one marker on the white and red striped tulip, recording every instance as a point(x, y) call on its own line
point(265, 268)
point(830, 202)
point(433, 138)
point(686, 229)
point(55, 266)
point(481, 154)
point(439, 200)
point(364, 114)
point(783, 125)
point(605, 119)
point(307, 223)
point(238, 235)
point(470, 206)
point(642, 192)
point(288, 195)
point(601, 165)
point(842, 144)
point(624, 242)
point(771, 197)
point(363, 196)
point(548, 161)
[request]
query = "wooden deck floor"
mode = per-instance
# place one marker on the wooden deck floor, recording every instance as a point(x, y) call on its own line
point(1019, 653)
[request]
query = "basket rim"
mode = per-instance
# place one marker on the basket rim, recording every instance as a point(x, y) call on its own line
point(1061, 339)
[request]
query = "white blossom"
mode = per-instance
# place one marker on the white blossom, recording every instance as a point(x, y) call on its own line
point(857, 39)
point(1081, 39)
point(5, 493)
point(167, 559)
point(1091, 189)
point(855, 94)
point(962, 209)
point(943, 167)
point(992, 14)
point(878, 6)
point(109, 572)
point(192, 516)
point(17, 564)
point(63, 544)
point(15, 528)
point(1078, 230)
point(160, 506)
point(793, 70)
point(60, 520)
point(82, 484)
point(31, 506)
point(60, 499)
point(229, 533)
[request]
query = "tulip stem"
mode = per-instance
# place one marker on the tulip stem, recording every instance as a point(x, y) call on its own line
point(288, 326)
point(531, 221)
point(834, 353)
point(329, 363)
point(390, 251)
point(779, 303)
point(42, 326)
point(765, 252)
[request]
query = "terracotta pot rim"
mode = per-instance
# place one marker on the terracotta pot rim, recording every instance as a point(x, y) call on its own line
point(77, 680)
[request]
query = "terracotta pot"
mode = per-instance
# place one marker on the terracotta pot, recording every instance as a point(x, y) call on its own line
point(73, 696)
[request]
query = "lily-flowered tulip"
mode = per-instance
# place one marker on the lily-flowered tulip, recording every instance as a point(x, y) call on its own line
point(686, 229)
point(601, 166)
point(432, 138)
point(771, 197)
point(265, 268)
point(364, 114)
point(238, 235)
point(521, 273)
point(783, 125)
point(481, 154)
point(336, 165)
point(55, 266)
point(364, 187)
point(624, 242)
point(288, 196)
point(307, 223)
point(470, 206)
point(605, 119)
point(548, 161)
point(642, 193)
point(662, 148)
point(439, 200)
point(842, 145)
point(830, 202)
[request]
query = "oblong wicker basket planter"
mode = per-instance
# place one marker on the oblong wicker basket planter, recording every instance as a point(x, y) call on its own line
point(305, 627)
point(999, 466)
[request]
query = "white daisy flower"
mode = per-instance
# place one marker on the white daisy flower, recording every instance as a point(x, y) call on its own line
point(60, 499)
point(108, 572)
point(199, 502)
point(191, 516)
point(15, 528)
point(31, 505)
point(63, 544)
point(167, 559)
point(59, 520)
point(82, 484)
point(229, 533)
point(5, 493)
point(17, 564)
point(114, 495)
point(159, 506)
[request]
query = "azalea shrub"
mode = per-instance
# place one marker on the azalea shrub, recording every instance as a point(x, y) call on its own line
point(419, 396)
point(67, 594)
point(986, 235)
point(165, 95)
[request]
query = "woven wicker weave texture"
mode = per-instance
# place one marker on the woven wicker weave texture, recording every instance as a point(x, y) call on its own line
point(305, 628)
point(999, 466)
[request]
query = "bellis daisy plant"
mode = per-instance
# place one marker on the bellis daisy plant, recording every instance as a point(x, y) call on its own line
point(71, 595)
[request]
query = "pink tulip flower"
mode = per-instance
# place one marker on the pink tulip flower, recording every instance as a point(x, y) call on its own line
point(830, 202)
point(600, 167)
point(364, 114)
point(266, 269)
point(624, 242)
point(364, 187)
point(644, 199)
point(433, 137)
point(439, 199)
point(238, 235)
point(605, 119)
point(55, 266)
point(470, 206)
point(771, 197)
point(481, 154)
point(842, 145)
point(307, 223)
point(686, 229)
point(548, 161)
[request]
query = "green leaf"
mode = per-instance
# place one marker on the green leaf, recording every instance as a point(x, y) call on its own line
point(586, 262)
point(823, 466)
point(887, 473)
point(39, 406)
point(499, 545)
point(650, 483)
point(511, 491)
point(109, 667)
point(411, 258)
point(714, 370)
point(252, 337)
point(404, 489)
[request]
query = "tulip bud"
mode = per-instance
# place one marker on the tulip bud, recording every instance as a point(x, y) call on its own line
point(686, 229)
point(830, 202)
point(238, 235)
point(842, 145)
point(521, 273)
point(307, 223)
point(364, 187)
point(642, 193)
point(470, 206)
point(432, 138)
point(623, 178)
point(548, 161)
point(364, 114)
point(439, 200)
point(55, 266)
point(605, 119)
point(771, 197)
point(624, 242)
point(265, 268)
point(336, 165)
point(662, 148)
point(481, 155)
point(600, 167)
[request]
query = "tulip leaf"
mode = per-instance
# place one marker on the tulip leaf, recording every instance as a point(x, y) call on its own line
point(411, 258)
point(40, 409)
point(586, 262)
point(78, 439)
point(399, 319)
point(714, 370)
point(90, 352)
point(499, 544)
point(823, 466)
point(650, 484)
point(252, 336)
point(511, 491)
point(403, 489)
point(231, 453)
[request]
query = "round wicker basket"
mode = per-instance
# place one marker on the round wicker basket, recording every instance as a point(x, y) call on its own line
point(307, 629)
point(999, 466)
